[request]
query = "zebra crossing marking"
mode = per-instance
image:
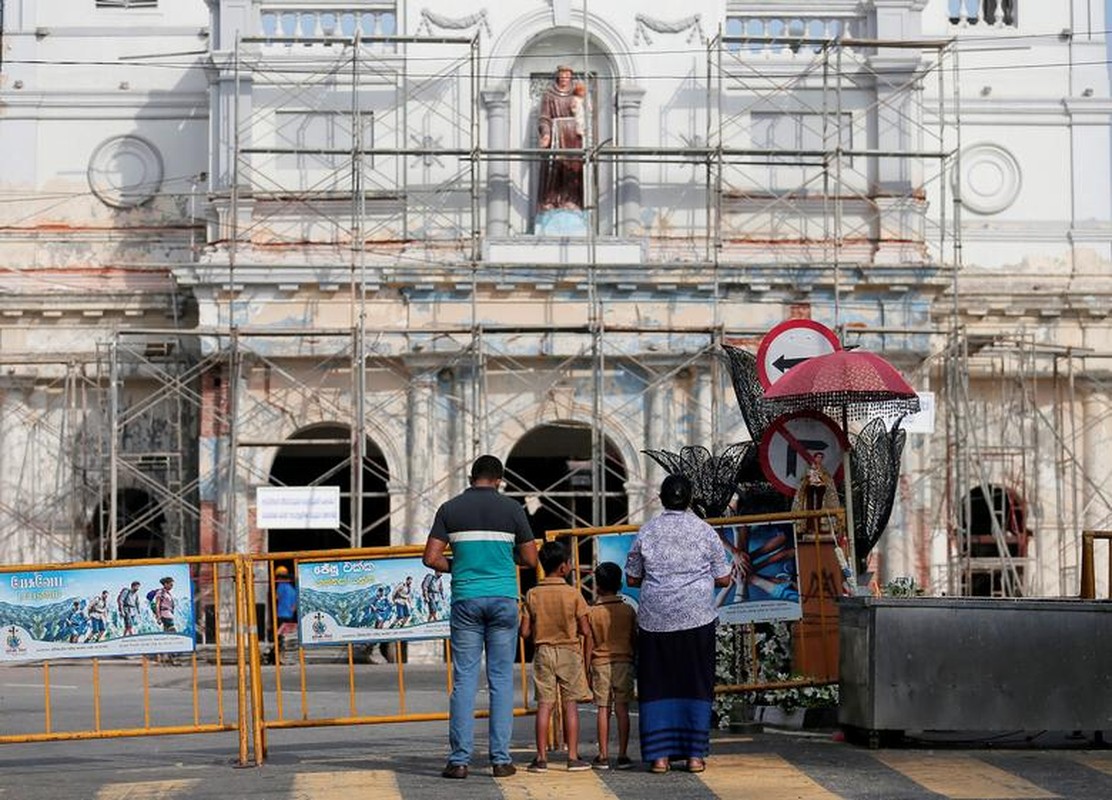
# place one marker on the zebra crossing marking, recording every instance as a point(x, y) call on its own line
point(763, 776)
point(147, 790)
point(962, 777)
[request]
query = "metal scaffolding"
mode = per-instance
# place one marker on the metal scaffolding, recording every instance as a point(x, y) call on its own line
point(339, 176)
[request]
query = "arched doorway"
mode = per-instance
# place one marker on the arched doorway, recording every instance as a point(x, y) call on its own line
point(550, 470)
point(140, 527)
point(533, 72)
point(977, 512)
point(326, 461)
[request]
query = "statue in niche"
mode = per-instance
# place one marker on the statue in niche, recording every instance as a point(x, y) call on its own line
point(562, 120)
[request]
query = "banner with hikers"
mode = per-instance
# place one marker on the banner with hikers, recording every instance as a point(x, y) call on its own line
point(372, 600)
point(96, 612)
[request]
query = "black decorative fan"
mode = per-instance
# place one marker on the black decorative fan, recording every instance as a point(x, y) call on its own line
point(713, 477)
point(875, 464)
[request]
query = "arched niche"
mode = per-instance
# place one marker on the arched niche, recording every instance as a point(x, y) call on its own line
point(533, 71)
point(328, 463)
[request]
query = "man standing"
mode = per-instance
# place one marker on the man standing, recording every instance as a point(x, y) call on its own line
point(98, 616)
point(484, 528)
point(127, 604)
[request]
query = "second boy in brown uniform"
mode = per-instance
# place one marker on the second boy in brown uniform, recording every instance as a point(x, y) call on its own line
point(614, 631)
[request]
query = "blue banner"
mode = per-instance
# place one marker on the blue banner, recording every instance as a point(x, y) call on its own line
point(96, 612)
point(371, 600)
point(763, 567)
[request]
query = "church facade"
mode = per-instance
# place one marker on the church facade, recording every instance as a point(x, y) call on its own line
point(276, 242)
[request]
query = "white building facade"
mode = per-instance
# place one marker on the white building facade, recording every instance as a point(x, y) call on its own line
point(253, 243)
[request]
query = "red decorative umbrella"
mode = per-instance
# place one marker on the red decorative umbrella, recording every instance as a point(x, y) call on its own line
point(856, 383)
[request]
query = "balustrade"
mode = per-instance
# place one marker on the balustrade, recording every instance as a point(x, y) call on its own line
point(991, 13)
point(766, 33)
point(305, 21)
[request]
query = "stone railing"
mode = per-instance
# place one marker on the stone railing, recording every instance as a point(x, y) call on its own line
point(984, 13)
point(762, 32)
point(310, 20)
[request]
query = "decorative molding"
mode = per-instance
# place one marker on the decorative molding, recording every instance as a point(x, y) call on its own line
point(430, 19)
point(989, 178)
point(646, 23)
point(125, 171)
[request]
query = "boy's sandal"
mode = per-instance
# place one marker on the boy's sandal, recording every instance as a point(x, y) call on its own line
point(659, 767)
point(696, 765)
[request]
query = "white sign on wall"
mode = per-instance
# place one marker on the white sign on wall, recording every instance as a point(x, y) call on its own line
point(920, 422)
point(297, 507)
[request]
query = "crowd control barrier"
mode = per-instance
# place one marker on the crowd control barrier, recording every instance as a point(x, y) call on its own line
point(348, 601)
point(133, 627)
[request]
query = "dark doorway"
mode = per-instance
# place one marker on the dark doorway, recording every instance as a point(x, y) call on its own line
point(550, 470)
point(140, 528)
point(328, 463)
point(976, 515)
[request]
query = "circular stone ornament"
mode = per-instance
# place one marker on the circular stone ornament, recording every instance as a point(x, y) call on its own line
point(125, 171)
point(990, 178)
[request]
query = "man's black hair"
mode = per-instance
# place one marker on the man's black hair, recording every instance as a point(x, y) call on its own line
point(608, 577)
point(486, 468)
point(552, 555)
point(675, 493)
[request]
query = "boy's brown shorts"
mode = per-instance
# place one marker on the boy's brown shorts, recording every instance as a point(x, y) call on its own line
point(559, 666)
point(612, 682)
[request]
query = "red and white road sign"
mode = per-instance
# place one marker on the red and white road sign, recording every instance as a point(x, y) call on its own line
point(791, 442)
point(792, 342)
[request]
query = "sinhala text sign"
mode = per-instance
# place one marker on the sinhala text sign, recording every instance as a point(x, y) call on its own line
point(96, 612)
point(371, 600)
point(288, 507)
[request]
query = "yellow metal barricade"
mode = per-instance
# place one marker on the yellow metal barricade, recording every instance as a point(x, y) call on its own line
point(270, 707)
point(815, 636)
point(111, 712)
point(1088, 562)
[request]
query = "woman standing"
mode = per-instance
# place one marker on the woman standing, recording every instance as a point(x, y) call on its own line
point(676, 560)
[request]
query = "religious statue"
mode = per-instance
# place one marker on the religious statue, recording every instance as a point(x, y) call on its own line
point(561, 126)
point(816, 490)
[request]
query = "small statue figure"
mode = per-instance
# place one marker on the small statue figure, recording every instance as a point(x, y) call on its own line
point(817, 490)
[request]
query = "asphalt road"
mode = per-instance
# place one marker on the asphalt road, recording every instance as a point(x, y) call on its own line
point(403, 760)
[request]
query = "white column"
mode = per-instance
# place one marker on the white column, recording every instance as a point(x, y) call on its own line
point(629, 179)
point(497, 104)
point(420, 456)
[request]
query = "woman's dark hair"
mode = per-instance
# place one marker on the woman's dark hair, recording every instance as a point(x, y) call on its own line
point(675, 493)
point(608, 577)
point(552, 555)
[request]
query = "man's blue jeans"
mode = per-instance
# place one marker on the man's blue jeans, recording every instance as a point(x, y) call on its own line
point(478, 623)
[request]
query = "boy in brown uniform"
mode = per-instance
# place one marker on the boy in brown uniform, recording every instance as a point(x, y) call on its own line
point(614, 630)
point(555, 614)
